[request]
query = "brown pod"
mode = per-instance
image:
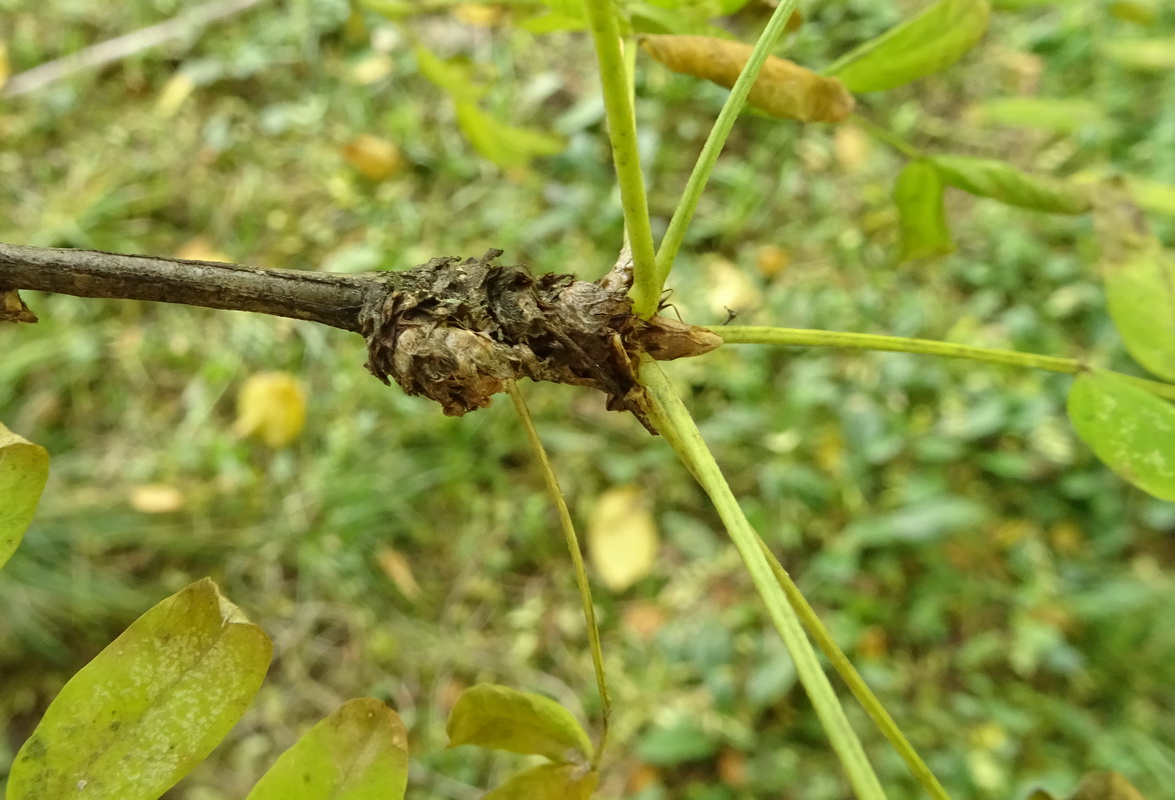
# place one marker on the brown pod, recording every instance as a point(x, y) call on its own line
point(783, 88)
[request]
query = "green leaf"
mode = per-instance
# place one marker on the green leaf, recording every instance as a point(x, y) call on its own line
point(1000, 181)
point(360, 752)
point(506, 145)
point(1152, 196)
point(922, 218)
point(648, 18)
point(1143, 55)
point(1139, 12)
point(552, 23)
point(24, 468)
point(547, 782)
point(395, 10)
point(1140, 282)
point(1057, 115)
point(149, 707)
point(562, 15)
point(1130, 429)
point(920, 46)
point(455, 78)
point(502, 718)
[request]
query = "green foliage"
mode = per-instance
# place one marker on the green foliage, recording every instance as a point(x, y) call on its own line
point(502, 718)
point(506, 145)
point(150, 706)
point(1130, 429)
point(921, 46)
point(918, 194)
point(547, 782)
point(360, 752)
point(1143, 55)
point(24, 468)
point(998, 180)
point(1140, 284)
point(811, 445)
point(1060, 115)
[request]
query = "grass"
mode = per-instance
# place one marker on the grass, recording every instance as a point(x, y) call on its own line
point(1005, 595)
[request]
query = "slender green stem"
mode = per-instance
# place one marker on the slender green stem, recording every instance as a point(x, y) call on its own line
point(646, 289)
point(672, 418)
point(750, 334)
point(581, 578)
point(855, 682)
point(887, 136)
point(688, 204)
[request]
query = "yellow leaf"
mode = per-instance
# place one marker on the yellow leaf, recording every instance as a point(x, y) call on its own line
point(783, 88)
point(272, 407)
point(5, 70)
point(771, 260)
point(174, 93)
point(731, 288)
point(852, 147)
point(399, 571)
point(201, 248)
point(372, 69)
point(156, 498)
point(375, 159)
point(478, 15)
point(622, 537)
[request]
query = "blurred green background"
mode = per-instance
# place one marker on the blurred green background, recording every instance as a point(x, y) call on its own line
point(1008, 598)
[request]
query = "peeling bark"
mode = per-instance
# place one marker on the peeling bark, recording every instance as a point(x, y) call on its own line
point(451, 330)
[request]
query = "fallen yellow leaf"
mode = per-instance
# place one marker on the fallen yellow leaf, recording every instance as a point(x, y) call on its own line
point(731, 288)
point(272, 407)
point(201, 248)
point(372, 69)
point(622, 537)
point(375, 159)
point(173, 95)
point(399, 571)
point(478, 15)
point(156, 498)
point(852, 147)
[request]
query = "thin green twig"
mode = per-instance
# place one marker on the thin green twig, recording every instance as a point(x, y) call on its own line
point(887, 136)
point(581, 578)
point(688, 204)
point(854, 681)
point(751, 334)
point(672, 418)
point(646, 290)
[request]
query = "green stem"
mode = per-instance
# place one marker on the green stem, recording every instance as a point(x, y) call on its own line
point(855, 682)
point(672, 418)
point(750, 334)
point(646, 289)
point(688, 203)
point(581, 579)
point(887, 136)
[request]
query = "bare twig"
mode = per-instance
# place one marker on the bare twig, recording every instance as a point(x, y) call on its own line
point(186, 24)
point(334, 300)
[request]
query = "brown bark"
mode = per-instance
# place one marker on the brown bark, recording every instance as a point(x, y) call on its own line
point(333, 300)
